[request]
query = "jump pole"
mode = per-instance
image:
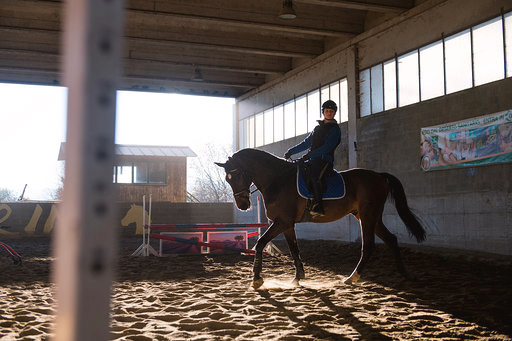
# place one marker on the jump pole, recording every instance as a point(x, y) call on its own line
point(16, 258)
point(144, 224)
point(140, 249)
point(149, 248)
point(210, 245)
point(145, 249)
point(212, 226)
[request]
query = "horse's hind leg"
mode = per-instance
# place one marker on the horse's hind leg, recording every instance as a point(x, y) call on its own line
point(291, 239)
point(368, 245)
point(391, 241)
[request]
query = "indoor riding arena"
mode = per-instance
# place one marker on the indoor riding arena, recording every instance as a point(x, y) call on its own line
point(423, 92)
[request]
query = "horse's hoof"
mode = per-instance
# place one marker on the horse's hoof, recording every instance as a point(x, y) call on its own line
point(296, 282)
point(257, 283)
point(352, 279)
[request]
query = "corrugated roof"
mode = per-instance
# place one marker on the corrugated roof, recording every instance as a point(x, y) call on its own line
point(140, 150)
point(143, 150)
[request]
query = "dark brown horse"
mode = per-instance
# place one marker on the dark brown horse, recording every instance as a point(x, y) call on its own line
point(366, 193)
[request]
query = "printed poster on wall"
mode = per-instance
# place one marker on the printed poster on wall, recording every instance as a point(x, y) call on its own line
point(478, 141)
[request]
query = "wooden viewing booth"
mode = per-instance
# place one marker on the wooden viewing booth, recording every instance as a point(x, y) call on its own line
point(157, 170)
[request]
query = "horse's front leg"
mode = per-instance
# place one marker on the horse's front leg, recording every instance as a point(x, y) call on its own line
point(273, 231)
point(291, 239)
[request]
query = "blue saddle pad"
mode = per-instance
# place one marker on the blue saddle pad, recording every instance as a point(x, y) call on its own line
point(335, 186)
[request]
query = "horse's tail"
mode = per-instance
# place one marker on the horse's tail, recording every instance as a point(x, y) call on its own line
point(410, 220)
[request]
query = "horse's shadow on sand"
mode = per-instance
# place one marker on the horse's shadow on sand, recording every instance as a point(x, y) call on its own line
point(366, 331)
point(472, 288)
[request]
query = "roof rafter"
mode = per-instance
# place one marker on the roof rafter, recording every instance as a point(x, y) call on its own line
point(356, 5)
point(170, 42)
point(24, 53)
point(281, 29)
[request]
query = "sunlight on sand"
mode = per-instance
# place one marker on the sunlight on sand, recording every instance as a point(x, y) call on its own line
point(284, 284)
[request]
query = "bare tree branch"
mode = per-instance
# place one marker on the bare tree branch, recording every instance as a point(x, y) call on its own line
point(210, 185)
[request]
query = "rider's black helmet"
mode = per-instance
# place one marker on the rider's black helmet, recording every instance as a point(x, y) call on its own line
point(329, 105)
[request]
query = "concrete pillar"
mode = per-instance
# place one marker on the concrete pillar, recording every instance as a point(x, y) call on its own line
point(353, 115)
point(353, 109)
point(87, 223)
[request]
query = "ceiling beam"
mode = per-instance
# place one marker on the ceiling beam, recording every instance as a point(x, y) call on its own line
point(170, 17)
point(56, 73)
point(185, 80)
point(22, 54)
point(246, 25)
point(204, 66)
point(169, 42)
point(356, 5)
point(219, 47)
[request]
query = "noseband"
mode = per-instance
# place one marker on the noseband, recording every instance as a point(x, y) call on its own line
point(244, 191)
point(237, 194)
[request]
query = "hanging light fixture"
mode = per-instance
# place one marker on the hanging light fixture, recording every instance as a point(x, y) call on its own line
point(287, 12)
point(197, 76)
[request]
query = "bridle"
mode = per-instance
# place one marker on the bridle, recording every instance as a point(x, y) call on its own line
point(244, 191)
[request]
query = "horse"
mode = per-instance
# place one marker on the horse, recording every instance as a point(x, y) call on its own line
point(366, 194)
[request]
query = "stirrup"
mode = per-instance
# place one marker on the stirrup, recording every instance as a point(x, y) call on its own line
point(317, 210)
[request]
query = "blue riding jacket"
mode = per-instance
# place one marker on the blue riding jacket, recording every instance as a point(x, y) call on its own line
point(322, 141)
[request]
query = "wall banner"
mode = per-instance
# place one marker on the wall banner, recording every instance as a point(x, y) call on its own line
point(477, 141)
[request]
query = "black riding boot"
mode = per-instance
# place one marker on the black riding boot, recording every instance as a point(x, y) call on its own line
point(317, 208)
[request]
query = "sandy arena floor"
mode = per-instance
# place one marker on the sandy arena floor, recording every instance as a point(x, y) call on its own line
point(458, 296)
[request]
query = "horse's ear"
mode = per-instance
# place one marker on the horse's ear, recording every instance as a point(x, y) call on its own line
point(223, 165)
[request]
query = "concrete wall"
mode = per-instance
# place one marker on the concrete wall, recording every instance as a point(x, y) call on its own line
point(469, 208)
point(36, 218)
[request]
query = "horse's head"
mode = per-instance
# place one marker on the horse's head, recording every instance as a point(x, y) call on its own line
point(239, 181)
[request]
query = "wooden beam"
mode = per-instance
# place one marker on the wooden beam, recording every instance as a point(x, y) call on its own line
point(202, 66)
point(363, 6)
point(19, 54)
point(53, 34)
point(171, 17)
point(249, 26)
point(137, 78)
point(219, 47)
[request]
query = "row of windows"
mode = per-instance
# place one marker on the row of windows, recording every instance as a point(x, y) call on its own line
point(475, 56)
point(295, 117)
point(140, 173)
point(478, 55)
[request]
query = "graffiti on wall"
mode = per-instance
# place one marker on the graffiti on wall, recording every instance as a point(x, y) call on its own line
point(40, 218)
point(36, 221)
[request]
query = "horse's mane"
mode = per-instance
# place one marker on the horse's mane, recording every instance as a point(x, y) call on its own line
point(270, 169)
point(262, 157)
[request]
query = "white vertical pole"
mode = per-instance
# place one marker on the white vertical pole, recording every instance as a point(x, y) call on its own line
point(149, 225)
point(87, 224)
point(259, 210)
point(144, 225)
point(259, 217)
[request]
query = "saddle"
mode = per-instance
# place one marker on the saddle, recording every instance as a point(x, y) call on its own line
point(333, 184)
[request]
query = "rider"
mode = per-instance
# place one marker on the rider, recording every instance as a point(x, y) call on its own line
point(322, 142)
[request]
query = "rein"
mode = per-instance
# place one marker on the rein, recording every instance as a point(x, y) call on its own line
point(248, 190)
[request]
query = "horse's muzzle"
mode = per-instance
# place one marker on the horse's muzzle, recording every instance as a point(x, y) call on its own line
point(243, 202)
